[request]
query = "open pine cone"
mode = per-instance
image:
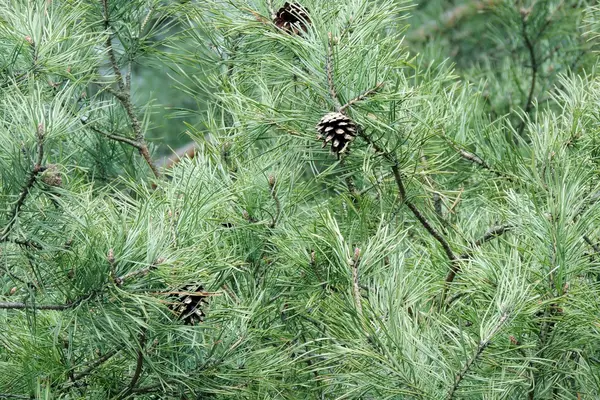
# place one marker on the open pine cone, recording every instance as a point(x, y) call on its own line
point(189, 303)
point(292, 18)
point(337, 129)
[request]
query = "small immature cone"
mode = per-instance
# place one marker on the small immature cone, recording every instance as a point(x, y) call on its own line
point(52, 176)
point(338, 130)
point(292, 18)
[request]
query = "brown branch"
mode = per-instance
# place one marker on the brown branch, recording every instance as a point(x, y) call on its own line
point(362, 96)
point(402, 191)
point(124, 96)
point(480, 349)
point(33, 174)
point(432, 231)
point(329, 69)
point(138, 366)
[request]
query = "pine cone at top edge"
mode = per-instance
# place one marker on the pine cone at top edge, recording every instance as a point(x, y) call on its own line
point(189, 307)
point(292, 18)
point(337, 129)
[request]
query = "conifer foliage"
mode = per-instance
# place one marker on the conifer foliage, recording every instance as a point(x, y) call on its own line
point(439, 239)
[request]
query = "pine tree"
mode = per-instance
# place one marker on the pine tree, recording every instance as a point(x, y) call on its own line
point(446, 249)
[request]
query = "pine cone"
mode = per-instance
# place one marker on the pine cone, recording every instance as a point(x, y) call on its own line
point(188, 306)
point(338, 129)
point(292, 18)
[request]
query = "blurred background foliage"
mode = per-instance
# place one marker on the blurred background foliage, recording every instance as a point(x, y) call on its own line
point(487, 42)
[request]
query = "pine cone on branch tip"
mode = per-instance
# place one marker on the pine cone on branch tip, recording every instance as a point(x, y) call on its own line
point(337, 129)
point(189, 304)
point(292, 18)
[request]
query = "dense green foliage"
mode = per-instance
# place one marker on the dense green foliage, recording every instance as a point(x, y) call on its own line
point(451, 253)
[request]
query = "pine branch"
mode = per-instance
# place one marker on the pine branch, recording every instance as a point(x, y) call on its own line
point(426, 224)
point(14, 396)
point(272, 186)
point(54, 307)
point(480, 349)
point(355, 282)
point(595, 247)
point(489, 235)
point(124, 96)
point(31, 179)
point(95, 364)
point(362, 96)
point(329, 70)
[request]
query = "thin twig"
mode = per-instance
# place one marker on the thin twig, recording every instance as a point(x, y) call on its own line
point(489, 235)
point(480, 349)
point(55, 307)
point(138, 367)
point(33, 174)
point(362, 96)
point(534, 70)
point(475, 159)
point(14, 396)
point(273, 187)
point(355, 282)
point(329, 68)
point(114, 137)
point(402, 191)
point(591, 244)
point(142, 271)
point(445, 245)
point(95, 364)
point(87, 371)
point(109, 46)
